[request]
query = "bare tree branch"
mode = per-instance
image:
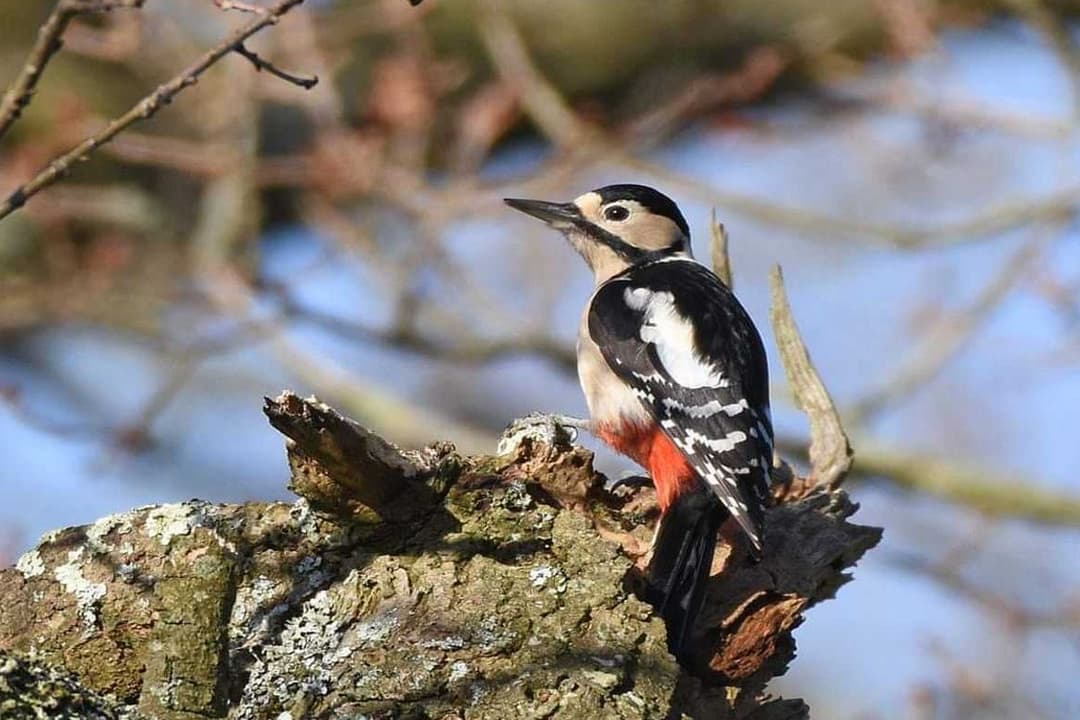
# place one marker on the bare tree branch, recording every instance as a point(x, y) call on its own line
point(238, 6)
point(830, 452)
point(1008, 215)
point(260, 64)
point(985, 491)
point(464, 350)
point(142, 110)
point(345, 469)
point(543, 102)
point(943, 342)
point(411, 425)
point(721, 260)
point(992, 493)
point(21, 92)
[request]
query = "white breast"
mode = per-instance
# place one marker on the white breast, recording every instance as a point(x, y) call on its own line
point(610, 400)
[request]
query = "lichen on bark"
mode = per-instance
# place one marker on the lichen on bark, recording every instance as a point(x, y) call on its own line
point(482, 587)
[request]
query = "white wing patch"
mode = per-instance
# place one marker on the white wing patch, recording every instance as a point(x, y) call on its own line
point(673, 336)
point(708, 409)
point(718, 444)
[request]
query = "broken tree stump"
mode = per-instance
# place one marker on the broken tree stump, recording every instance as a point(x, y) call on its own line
point(480, 587)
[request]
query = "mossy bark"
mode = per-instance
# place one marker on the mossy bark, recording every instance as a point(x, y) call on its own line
point(504, 590)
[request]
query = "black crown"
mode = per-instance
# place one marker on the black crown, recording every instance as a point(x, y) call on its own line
point(653, 200)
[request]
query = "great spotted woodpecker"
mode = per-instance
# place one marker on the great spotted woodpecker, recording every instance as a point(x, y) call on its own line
point(675, 376)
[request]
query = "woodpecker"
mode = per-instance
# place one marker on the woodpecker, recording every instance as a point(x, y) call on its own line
point(675, 377)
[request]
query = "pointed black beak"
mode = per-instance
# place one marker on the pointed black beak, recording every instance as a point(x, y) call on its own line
point(557, 214)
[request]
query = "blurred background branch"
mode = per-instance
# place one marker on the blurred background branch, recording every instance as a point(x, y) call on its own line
point(145, 108)
point(21, 91)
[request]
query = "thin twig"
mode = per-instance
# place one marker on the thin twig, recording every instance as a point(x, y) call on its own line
point(550, 112)
point(721, 260)
point(21, 92)
point(260, 64)
point(142, 110)
point(977, 488)
point(136, 433)
point(556, 120)
point(830, 452)
point(542, 101)
point(239, 6)
point(465, 350)
point(758, 73)
point(93, 6)
point(942, 344)
point(13, 402)
point(129, 436)
point(1030, 615)
point(1008, 215)
point(195, 157)
point(369, 401)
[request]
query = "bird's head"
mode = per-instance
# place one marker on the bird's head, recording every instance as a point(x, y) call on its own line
point(615, 226)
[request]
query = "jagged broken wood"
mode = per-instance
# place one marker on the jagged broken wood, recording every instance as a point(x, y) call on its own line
point(344, 469)
point(718, 251)
point(830, 451)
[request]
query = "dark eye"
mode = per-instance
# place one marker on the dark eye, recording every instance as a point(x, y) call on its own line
point(616, 213)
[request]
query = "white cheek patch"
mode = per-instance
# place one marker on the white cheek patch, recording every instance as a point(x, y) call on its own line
point(673, 336)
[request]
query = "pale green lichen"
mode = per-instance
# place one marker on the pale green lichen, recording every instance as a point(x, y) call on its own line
point(254, 604)
point(546, 576)
point(459, 670)
point(31, 564)
point(96, 533)
point(601, 679)
point(304, 517)
point(87, 594)
point(517, 496)
point(452, 642)
point(127, 572)
point(498, 605)
point(166, 522)
point(374, 630)
point(307, 647)
point(50, 537)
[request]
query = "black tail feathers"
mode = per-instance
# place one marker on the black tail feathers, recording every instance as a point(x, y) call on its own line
point(682, 558)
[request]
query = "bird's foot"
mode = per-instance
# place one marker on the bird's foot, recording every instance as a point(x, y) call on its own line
point(541, 427)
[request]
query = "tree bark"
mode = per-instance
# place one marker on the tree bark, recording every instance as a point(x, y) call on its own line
point(414, 584)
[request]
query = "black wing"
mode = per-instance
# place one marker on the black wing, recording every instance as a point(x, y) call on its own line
point(678, 336)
